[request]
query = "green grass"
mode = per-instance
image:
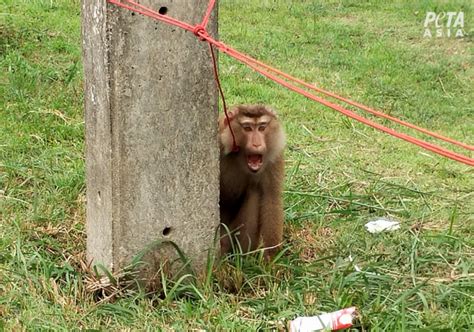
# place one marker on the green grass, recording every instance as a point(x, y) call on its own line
point(340, 174)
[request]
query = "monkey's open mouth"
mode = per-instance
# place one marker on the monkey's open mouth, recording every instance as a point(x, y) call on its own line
point(254, 162)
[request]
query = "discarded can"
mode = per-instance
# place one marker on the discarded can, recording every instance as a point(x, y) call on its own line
point(341, 319)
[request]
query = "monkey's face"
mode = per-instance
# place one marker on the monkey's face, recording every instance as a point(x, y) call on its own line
point(253, 141)
point(258, 135)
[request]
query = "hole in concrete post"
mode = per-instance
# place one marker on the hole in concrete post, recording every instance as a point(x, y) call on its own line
point(163, 10)
point(98, 195)
point(167, 231)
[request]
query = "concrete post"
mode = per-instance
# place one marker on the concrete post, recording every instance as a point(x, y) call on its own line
point(151, 133)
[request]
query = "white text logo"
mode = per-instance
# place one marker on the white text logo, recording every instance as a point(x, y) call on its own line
point(444, 24)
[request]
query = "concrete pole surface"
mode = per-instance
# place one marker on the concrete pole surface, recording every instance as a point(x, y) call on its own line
point(151, 108)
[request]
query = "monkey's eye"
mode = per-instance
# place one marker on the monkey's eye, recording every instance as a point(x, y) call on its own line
point(262, 127)
point(247, 127)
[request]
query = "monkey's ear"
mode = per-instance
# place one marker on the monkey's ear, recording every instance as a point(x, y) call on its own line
point(231, 114)
point(228, 119)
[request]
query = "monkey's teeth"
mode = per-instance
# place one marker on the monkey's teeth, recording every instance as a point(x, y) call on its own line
point(254, 162)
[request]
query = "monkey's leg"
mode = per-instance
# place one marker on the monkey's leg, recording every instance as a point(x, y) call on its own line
point(225, 241)
point(245, 224)
point(271, 223)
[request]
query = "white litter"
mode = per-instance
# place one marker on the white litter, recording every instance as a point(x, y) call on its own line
point(382, 225)
point(337, 320)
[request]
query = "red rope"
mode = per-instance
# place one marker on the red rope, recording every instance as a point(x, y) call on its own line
point(428, 146)
point(358, 105)
point(140, 9)
point(279, 77)
point(210, 7)
point(235, 147)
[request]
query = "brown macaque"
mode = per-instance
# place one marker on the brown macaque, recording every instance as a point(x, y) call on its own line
point(251, 180)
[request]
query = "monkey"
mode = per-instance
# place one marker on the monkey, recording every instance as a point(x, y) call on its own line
point(251, 179)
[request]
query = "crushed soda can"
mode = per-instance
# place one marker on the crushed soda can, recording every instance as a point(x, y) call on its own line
point(337, 320)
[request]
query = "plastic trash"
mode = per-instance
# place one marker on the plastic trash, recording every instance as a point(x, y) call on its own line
point(382, 225)
point(337, 320)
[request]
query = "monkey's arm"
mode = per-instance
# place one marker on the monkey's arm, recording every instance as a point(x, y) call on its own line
point(271, 212)
point(244, 225)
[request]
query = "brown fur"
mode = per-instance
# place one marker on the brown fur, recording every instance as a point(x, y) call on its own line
point(251, 201)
